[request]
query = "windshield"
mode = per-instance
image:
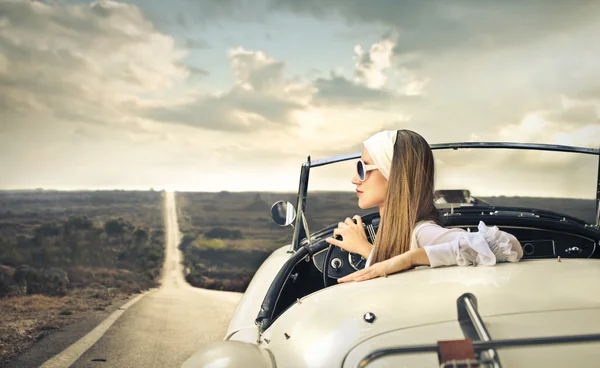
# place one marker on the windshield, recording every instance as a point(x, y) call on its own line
point(555, 181)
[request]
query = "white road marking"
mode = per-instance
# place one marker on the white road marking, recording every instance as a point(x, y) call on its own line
point(68, 356)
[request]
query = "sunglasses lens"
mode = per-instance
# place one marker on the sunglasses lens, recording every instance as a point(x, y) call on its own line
point(361, 170)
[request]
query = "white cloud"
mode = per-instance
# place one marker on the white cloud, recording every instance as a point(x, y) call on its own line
point(81, 62)
point(256, 70)
point(416, 87)
point(371, 84)
point(262, 98)
point(371, 65)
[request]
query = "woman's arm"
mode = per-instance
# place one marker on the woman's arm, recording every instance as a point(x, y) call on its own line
point(445, 247)
point(438, 246)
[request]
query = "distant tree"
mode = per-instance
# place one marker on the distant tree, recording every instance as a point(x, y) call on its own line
point(158, 233)
point(49, 229)
point(223, 233)
point(187, 239)
point(78, 222)
point(140, 235)
point(223, 194)
point(116, 227)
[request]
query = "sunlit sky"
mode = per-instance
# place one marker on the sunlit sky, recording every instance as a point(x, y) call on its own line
point(210, 95)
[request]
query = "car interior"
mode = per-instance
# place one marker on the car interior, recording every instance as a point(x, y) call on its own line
point(543, 234)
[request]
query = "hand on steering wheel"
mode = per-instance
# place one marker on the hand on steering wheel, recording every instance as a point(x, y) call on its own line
point(353, 236)
point(349, 235)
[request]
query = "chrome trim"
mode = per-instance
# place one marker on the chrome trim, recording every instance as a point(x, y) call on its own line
point(574, 249)
point(300, 204)
point(455, 146)
point(598, 195)
point(481, 345)
point(306, 229)
point(471, 324)
point(332, 160)
point(598, 213)
point(512, 145)
point(371, 229)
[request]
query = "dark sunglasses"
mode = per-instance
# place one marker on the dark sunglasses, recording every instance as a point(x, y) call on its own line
point(362, 169)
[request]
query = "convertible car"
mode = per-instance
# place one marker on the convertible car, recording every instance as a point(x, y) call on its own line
point(543, 311)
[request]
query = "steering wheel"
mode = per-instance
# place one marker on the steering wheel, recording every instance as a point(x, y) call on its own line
point(367, 220)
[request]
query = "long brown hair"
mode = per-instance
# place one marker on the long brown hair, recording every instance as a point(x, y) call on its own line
point(409, 197)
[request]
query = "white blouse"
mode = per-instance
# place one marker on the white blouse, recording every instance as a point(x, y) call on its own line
point(455, 246)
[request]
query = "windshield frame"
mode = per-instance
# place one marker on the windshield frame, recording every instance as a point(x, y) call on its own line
point(306, 166)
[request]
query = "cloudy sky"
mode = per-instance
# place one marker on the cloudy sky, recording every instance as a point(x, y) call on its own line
point(213, 95)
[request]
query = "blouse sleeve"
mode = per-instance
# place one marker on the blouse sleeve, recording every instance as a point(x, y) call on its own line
point(445, 247)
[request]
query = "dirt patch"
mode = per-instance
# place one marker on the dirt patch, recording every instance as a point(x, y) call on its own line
point(27, 319)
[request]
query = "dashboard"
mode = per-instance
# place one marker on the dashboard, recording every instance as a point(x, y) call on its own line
point(539, 240)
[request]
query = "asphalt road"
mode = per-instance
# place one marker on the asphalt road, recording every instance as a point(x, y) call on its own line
point(161, 329)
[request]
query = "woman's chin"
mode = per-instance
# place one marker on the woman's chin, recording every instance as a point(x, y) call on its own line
point(363, 204)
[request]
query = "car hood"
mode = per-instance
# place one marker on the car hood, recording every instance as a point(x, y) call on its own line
point(546, 324)
point(323, 327)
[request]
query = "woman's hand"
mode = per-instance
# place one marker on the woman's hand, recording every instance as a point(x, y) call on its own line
point(354, 238)
point(395, 264)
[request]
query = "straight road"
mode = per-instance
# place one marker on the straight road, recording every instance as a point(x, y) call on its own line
point(162, 328)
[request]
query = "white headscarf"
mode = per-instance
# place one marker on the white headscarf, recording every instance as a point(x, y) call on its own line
point(381, 148)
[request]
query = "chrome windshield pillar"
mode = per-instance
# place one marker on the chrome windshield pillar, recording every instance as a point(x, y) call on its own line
point(299, 230)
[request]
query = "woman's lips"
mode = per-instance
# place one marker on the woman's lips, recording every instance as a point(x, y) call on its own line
point(358, 192)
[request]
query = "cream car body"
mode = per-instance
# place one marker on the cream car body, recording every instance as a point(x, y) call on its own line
point(552, 292)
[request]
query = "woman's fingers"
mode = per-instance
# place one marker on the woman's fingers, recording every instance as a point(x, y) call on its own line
point(365, 274)
point(358, 275)
point(334, 241)
point(366, 277)
point(375, 271)
point(358, 219)
point(349, 221)
point(351, 276)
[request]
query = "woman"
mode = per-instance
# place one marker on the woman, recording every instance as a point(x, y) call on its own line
point(396, 174)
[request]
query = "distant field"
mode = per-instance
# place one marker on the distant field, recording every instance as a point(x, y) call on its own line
point(36, 207)
point(82, 232)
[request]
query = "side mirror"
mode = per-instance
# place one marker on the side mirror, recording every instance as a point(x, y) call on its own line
point(283, 213)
